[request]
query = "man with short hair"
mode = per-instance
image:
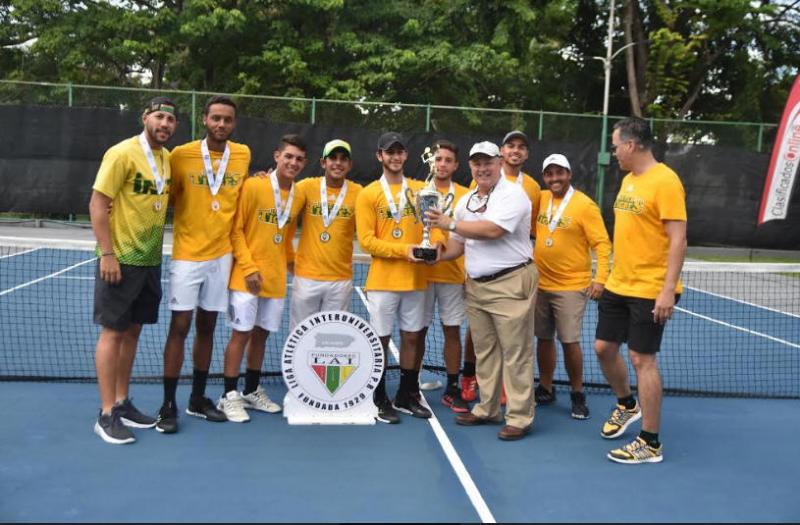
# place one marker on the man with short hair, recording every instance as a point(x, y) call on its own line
point(569, 227)
point(264, 226)
point(446, 282)
point(491, 227)
point(323, 276)
point(133, 181)
point(207, 175)
point(644, 285)
point(388, 231)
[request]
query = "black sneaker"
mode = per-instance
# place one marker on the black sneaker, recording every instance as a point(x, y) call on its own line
point(204, 408)
point(131, 417)
point(454, 401)
point(167, 418)
point(111, 430)
point(544, 396)
point(386, 412)
point(408, 403)
point(579, 408)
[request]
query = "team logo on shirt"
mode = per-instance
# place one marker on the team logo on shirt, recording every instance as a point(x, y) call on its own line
point(143, 186)
point(629, 203)
point(563, 222)
point(344, 211)
point(229, 179)
point(268, 215)
point(332, 361)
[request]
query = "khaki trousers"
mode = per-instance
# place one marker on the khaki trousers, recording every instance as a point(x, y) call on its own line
point(500, 316)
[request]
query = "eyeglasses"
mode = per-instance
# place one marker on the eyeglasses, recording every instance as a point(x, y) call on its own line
point(614, 147)
point(477, 203)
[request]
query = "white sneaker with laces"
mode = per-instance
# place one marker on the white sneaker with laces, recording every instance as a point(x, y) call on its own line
point(259, 400)
point(233, 405)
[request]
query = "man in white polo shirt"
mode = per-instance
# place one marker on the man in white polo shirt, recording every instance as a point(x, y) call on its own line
point(491, 227)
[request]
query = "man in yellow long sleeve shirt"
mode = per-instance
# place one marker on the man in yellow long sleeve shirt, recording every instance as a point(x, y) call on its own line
point(388, 231)
point(264, 226)
point(569, 227)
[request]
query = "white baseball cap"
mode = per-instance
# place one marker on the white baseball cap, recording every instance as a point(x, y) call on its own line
point(487, 148)
point(556, 158)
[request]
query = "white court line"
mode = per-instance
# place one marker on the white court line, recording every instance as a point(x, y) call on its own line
point(741, 301)
point(470, 488)
point(740, 328)
point(40, 279)
point(18, 253)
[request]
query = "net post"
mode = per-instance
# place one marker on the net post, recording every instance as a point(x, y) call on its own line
point(313, 110)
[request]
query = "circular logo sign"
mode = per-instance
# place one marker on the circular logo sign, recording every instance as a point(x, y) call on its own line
point(332, 361)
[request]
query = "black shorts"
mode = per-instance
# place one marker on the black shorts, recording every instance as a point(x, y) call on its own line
point(629, 319)
point(134, 299)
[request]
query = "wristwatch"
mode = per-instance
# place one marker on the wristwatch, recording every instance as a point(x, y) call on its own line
point(452, 226)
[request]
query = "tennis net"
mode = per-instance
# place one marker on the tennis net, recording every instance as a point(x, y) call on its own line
point(736, 330)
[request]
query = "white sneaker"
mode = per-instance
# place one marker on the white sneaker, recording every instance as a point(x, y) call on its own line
point(233, 405)
point(259, 400)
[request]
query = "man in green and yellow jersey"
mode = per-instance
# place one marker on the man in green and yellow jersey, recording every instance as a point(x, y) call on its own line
point(446, 282)
point(323, 271)
point(207, 175)
point(569, 228)
point(388, 231)
point(263, 229)
point(640, 294)
point(133, 182)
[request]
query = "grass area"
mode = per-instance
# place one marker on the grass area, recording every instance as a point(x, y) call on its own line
point(747, 258)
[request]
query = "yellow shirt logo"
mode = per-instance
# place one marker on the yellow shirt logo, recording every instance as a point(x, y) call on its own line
point(563, 222)
point(269, 216)
point(629, 203)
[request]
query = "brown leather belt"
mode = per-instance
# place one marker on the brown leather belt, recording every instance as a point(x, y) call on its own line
point(492, 277)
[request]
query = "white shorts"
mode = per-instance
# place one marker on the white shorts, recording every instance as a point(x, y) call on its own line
point(407, 307)
point(200, 283)
point(247, 310)
point(310, 296)
point(451, 303)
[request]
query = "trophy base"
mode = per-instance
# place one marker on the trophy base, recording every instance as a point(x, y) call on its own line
point(426, 254)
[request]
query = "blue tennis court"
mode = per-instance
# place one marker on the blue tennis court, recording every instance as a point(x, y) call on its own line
point(726, 459)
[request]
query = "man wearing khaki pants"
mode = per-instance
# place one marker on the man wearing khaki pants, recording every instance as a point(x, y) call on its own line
point(491, 227)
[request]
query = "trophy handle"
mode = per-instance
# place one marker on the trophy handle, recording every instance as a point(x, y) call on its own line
point(448, 202)
point(410, 200)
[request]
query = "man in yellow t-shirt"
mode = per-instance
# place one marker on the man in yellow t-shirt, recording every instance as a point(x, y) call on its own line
point(388, 230)
point(640, 294)
point(323, 272)
point(446, 283)
point(207, 175)
point(569, 228)
point(263, 229)
point(133, 181)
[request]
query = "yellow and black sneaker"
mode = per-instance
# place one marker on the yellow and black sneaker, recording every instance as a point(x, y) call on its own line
point(637, 451)
point(621, 418)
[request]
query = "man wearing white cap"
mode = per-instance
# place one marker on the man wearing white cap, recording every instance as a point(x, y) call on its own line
point(491, 227)
point(568, 227)
point(323, 273)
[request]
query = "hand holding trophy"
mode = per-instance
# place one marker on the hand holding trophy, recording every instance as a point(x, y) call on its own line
point(425, 199)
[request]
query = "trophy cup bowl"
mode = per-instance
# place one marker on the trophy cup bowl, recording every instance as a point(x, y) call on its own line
point(426, 199)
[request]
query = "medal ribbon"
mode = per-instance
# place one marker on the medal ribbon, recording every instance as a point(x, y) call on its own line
point(152, 161)
point(214, 180)
point(283, 214)
point(396, 212)
point(553, 222)
point(327, 217)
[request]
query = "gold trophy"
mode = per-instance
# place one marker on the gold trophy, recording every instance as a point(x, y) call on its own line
point(425, 199)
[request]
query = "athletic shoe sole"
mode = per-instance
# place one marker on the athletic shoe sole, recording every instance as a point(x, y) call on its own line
point(580, 416)
point(163, 431)
point(203, 416)
point(457, 410)
point(271, 410)
point(624, 427)
point(109, 439)
point(654, 459)
point(133, 424)
point(410, 413)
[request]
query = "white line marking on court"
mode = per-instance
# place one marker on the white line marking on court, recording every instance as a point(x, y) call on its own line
point(461, 471)
point(740, 328)
point(742, 302)
point(18, 253)
point(40, 279)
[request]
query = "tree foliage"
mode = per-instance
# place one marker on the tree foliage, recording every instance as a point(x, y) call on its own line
point(731, 59)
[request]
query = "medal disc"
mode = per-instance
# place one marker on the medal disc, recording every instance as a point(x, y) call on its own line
point(157, 206)
point(397, 233)
point(324, 236)
point(277, 238)
point(215, 205)
point(549, 242)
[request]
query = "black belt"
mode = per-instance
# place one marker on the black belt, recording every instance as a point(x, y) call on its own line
point(492, 277)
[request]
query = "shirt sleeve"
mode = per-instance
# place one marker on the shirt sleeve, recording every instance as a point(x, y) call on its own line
point(111, 175)
point(671, 200)
point(595, 230)
point(241, 252)
point(366, 220)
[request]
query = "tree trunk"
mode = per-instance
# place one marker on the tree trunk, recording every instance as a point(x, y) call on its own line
point(631, 18)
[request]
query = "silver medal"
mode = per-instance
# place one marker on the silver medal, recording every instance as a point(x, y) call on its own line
point(549, 242)
point(397, 233)
point(324, 236)
point(215, 205)
point(157, 206)
point(277, 238)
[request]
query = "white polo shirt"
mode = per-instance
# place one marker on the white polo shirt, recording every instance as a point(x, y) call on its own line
point(510, 208)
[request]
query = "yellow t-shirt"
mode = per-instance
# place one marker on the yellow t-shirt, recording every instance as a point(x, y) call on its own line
point(138, 211)
point(532, 190)
point(640, 241)
point(200, 233)
point(451, 272)
point(389, 270)
point(330, 260)
point(253, 238)
point(567, 264)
